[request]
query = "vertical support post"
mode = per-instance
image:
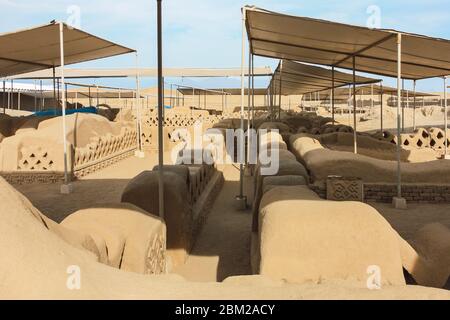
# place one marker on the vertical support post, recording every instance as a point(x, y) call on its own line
point(138, 107)
point(65, 188)
point(4, 97)
point(42, 97)
point(414, 106)
point(160, 112)
point(381, 107)
point(97, 94)
point(241, 198)
point(281, 84)
point(35, 96)
point(249, 83)
point(399, 202)
point(332, 95)
point(54, 85)
point(355, 137)
point(403, 105)
point(89, 93)
point(446, 119)
point(253, 91)
point(18, 99)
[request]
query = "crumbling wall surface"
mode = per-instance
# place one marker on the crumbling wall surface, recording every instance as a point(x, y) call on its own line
point(322, 162)
point(135, 239)
point(38, 146)
point(427, 259)
point(304, 238)
point(143, 192)
point(36, 264)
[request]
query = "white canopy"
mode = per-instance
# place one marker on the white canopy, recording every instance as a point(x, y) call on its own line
point(143, 72)
point(299, 78)
point(282, 36)
point(39, 48)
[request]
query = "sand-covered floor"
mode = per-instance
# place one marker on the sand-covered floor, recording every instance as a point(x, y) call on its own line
point(222, 248)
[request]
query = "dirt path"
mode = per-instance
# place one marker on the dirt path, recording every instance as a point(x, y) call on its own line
point(222, 248)
point(101, 187)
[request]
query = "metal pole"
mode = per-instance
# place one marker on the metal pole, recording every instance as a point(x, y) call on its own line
point(414, 106)
point(11, 100)
point(138, 104)
point(355, 142)
point(35, 96)
point(61, 44)
point(332, 94)
point(42, 97)
point(160, 111)
point(253, 91)
point(241, 166)
point(18, 99)
point(54, 85)
point(4, 96)
point(89, 93)
point(281, 84)
point(399, 116)
point(446, 117)
point(381, 92)
point(403, 105)
point(98, 102)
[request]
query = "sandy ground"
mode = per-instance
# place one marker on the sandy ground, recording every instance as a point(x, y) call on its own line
point(407, 222)
point(222, 248)
point(408, 154)
point(372, 120)
point(101, 187)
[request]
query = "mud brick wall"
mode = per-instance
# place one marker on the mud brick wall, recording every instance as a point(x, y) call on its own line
point(421, 193)
point(412, 193)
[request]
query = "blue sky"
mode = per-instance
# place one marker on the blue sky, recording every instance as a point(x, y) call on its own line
point(207, 33)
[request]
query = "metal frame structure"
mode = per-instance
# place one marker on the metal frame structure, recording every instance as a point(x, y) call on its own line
point(408, 65)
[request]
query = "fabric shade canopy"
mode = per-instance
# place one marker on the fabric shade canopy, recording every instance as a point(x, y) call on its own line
point(143, 72)
point(281, 36)
point(343, 93)
point(218, 92)
point(299, 78)
point(39, 48)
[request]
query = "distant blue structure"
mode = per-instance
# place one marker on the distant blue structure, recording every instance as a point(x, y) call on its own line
point(56, 113)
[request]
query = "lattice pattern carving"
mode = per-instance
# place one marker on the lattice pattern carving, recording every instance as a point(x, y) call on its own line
point(35, 158)
point(345, 189)
point(105, 146)
point(156, 256)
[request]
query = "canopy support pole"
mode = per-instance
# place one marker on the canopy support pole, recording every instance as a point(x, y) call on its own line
point(281, 84)
point(403, 105)
point(97, 93)
point(355, 137)
point(332, 95)
point(381, 107)
point(66, 188)
point(399, 202)
point(4, 97)
point(42, 105)
point(35, 96)
point(446, 155)
point(160, 113)
point(253, 91)
point(414, 106)
point(241, 199)
point(249, 82)
point(140, 151)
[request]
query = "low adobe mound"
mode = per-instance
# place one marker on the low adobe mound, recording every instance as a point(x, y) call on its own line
point(143, 191)
point(34, 265)
point(304, 238)
point(322, 162)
